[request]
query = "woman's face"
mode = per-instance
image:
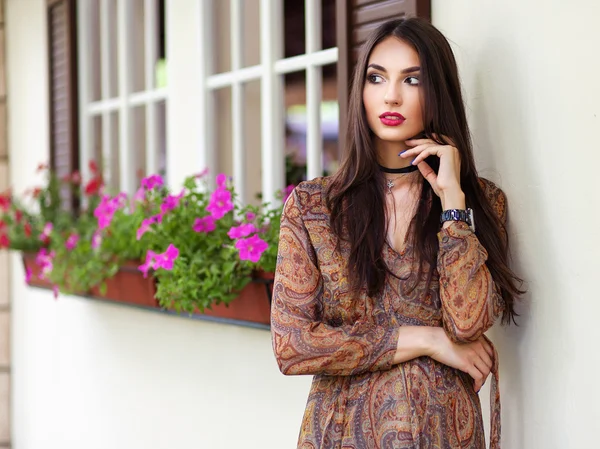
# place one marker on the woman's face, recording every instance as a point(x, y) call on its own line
point(392, 91)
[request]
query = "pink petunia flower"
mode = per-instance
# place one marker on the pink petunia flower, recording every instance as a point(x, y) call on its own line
point(71, 242)
point(28, 274)
point(96, 239)
point(222, 180)
point(44, 260)
point(140, 195)
point(202, 174)
point(251, 248)
point(147, 265)
point(288, 191)
point(171, 202)
point(105, 211)
point(250, 216)
point(152, 181)
point(243, 230)
point(45, 235)
point(55, 291)
point(146, 223)
point(220, 203)
point(166, 259)
point(205, 224)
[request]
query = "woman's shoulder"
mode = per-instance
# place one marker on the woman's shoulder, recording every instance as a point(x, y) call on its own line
point(495, 196)
point(314, 185)
point(311, 193)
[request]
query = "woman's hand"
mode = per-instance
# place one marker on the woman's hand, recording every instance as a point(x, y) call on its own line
point(446, 184)
point(475, 359)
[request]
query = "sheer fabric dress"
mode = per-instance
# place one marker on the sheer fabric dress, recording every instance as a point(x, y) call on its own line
point(358, 398)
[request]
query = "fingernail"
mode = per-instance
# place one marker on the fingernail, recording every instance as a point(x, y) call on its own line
point(402, 152)
point(413, 162)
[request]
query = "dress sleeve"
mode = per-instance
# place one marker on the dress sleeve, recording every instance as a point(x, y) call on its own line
point(302, 342)
point(471, 301)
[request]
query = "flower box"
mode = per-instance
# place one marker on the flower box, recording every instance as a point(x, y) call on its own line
point(169, 234)
point(253, 303)
point(34, 271)
point(129, 286)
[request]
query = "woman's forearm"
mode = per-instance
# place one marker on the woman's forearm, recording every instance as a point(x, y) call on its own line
point(413, 342)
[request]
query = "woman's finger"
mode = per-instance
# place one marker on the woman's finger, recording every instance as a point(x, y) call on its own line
point(414, 142)
point(414, 151)
point(477, 376)
point(428, 173)
point(482, 365)
point(488, 347)
point(433, 150)
point(486, 359)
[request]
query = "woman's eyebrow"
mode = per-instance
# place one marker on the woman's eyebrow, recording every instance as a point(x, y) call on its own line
point(404, 71)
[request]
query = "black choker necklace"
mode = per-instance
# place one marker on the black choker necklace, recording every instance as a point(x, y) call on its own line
point(408, 169)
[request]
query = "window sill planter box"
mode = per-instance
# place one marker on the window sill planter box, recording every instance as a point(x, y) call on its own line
point(253, 303)
point(128, 286)
point(32, 267)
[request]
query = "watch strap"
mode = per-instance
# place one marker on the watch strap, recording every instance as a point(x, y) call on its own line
point(457, 215)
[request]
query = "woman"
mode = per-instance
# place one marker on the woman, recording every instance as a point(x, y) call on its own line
point(384, 287)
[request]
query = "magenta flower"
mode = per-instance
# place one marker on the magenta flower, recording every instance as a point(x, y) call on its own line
point(71, 242)
point(28, 274)
point(250, 216)
point(220, 203)
point(206, 224)
point(170, 202)
point(222, 180)
point(243, 230)
point(156, 261)
point(202, 174)
point(288, 191)
point(152, 181)
point(105, 211)
point(251, 248)
point(45, 235)
point(55, 291)
point(96, 239)
point(44, 260)
point(166, 259)
point(145, 226)
point(145, 267)
point(140, 195)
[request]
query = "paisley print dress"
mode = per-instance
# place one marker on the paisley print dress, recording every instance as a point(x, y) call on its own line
point(358, 398)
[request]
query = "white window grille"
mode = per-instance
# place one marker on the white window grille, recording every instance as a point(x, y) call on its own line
point(122, 100)
point(270, 71)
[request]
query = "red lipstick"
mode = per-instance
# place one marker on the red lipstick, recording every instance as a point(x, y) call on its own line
point(391, 118)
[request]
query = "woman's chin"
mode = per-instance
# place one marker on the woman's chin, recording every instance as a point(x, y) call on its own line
point(394, 136)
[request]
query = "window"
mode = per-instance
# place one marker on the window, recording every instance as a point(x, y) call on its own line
point(245, 80)
point(270, 99)
point(122, 91)
point(273, 82)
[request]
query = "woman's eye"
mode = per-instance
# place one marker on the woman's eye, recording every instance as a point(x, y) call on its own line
point(375, 79)
point(412, 80)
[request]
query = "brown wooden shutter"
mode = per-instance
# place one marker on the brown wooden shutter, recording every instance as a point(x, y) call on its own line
point(64, 154)
point(355, 19)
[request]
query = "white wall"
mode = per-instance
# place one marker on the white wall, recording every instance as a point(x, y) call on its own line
point(95, 375)
point(531, 70)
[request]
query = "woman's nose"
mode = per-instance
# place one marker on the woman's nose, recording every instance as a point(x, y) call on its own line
point(392, 96)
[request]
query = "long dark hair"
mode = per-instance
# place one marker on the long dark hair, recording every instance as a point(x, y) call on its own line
point(358, 186)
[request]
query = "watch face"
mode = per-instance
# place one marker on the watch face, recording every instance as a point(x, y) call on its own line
point(471, 219)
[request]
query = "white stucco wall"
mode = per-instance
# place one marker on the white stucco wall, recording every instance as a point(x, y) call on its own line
point(531, 70)
point(95, 375)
